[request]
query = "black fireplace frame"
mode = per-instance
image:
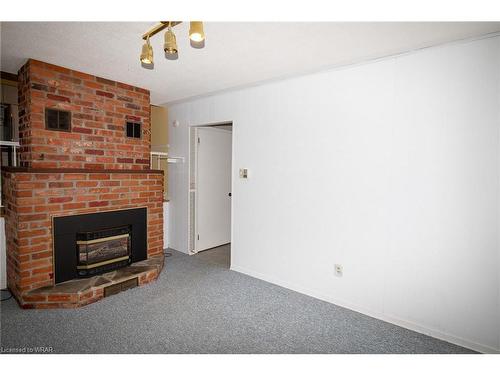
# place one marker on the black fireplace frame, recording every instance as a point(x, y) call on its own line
point(65, 229)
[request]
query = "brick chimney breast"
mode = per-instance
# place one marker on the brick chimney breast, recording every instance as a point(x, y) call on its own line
point(100, 110)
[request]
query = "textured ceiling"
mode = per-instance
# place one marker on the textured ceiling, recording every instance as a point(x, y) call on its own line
point(235, 55)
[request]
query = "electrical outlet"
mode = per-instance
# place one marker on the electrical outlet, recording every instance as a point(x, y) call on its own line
point(338, 270)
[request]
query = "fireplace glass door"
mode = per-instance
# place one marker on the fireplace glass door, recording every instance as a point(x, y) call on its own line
point(103, 250)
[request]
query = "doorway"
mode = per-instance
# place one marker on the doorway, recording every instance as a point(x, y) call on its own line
point(211, 189)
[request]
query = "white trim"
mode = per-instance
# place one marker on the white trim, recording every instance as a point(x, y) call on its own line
point(9, 143)
point(374, 314)
point(210, 127)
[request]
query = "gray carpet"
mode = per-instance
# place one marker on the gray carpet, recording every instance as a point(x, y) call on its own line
point(220, 255)
point(201, 307)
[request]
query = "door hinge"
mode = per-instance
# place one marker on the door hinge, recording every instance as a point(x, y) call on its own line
point(198, 140)
point(198, 237)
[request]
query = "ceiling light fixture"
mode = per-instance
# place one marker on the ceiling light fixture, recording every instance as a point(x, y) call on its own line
point(196, 33)
point(170, 45)
point(196, 36)
point(147, 53)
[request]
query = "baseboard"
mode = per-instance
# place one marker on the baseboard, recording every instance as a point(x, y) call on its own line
point(374, 314)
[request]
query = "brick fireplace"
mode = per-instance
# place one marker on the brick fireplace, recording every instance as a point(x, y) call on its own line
point(85, 146)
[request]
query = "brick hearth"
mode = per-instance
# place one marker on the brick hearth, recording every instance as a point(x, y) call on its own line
point(93, 168)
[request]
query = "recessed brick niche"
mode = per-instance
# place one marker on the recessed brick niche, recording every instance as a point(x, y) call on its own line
point(94, 167)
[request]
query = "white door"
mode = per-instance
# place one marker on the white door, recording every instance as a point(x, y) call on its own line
point(213, 208)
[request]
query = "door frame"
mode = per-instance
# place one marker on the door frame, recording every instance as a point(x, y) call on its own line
point(192, 185)
point(197, 171)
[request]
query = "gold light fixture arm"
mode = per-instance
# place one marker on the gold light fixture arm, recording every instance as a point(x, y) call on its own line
point(162, 25)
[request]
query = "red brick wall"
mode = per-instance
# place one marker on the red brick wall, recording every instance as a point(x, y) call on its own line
point(99, 110)
point(31, 199)
point(83, 171)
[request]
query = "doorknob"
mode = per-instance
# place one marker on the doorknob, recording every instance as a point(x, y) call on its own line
point(229, 195)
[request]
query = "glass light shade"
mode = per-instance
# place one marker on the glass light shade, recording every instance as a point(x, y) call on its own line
point(147, 54)
point(170, 45)
point(196, 33)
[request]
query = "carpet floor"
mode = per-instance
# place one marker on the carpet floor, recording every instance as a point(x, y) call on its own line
point(220, 255)
point(200, 306)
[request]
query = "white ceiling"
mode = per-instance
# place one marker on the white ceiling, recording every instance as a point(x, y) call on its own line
point(235, 55)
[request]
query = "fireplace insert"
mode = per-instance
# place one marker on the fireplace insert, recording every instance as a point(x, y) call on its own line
point(105, 240)
point(103, 250)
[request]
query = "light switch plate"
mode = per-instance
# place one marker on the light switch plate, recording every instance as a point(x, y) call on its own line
point(338, 270)
point(243, 173)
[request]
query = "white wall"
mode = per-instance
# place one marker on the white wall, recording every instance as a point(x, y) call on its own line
point(165, 225)
point(390, 168)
